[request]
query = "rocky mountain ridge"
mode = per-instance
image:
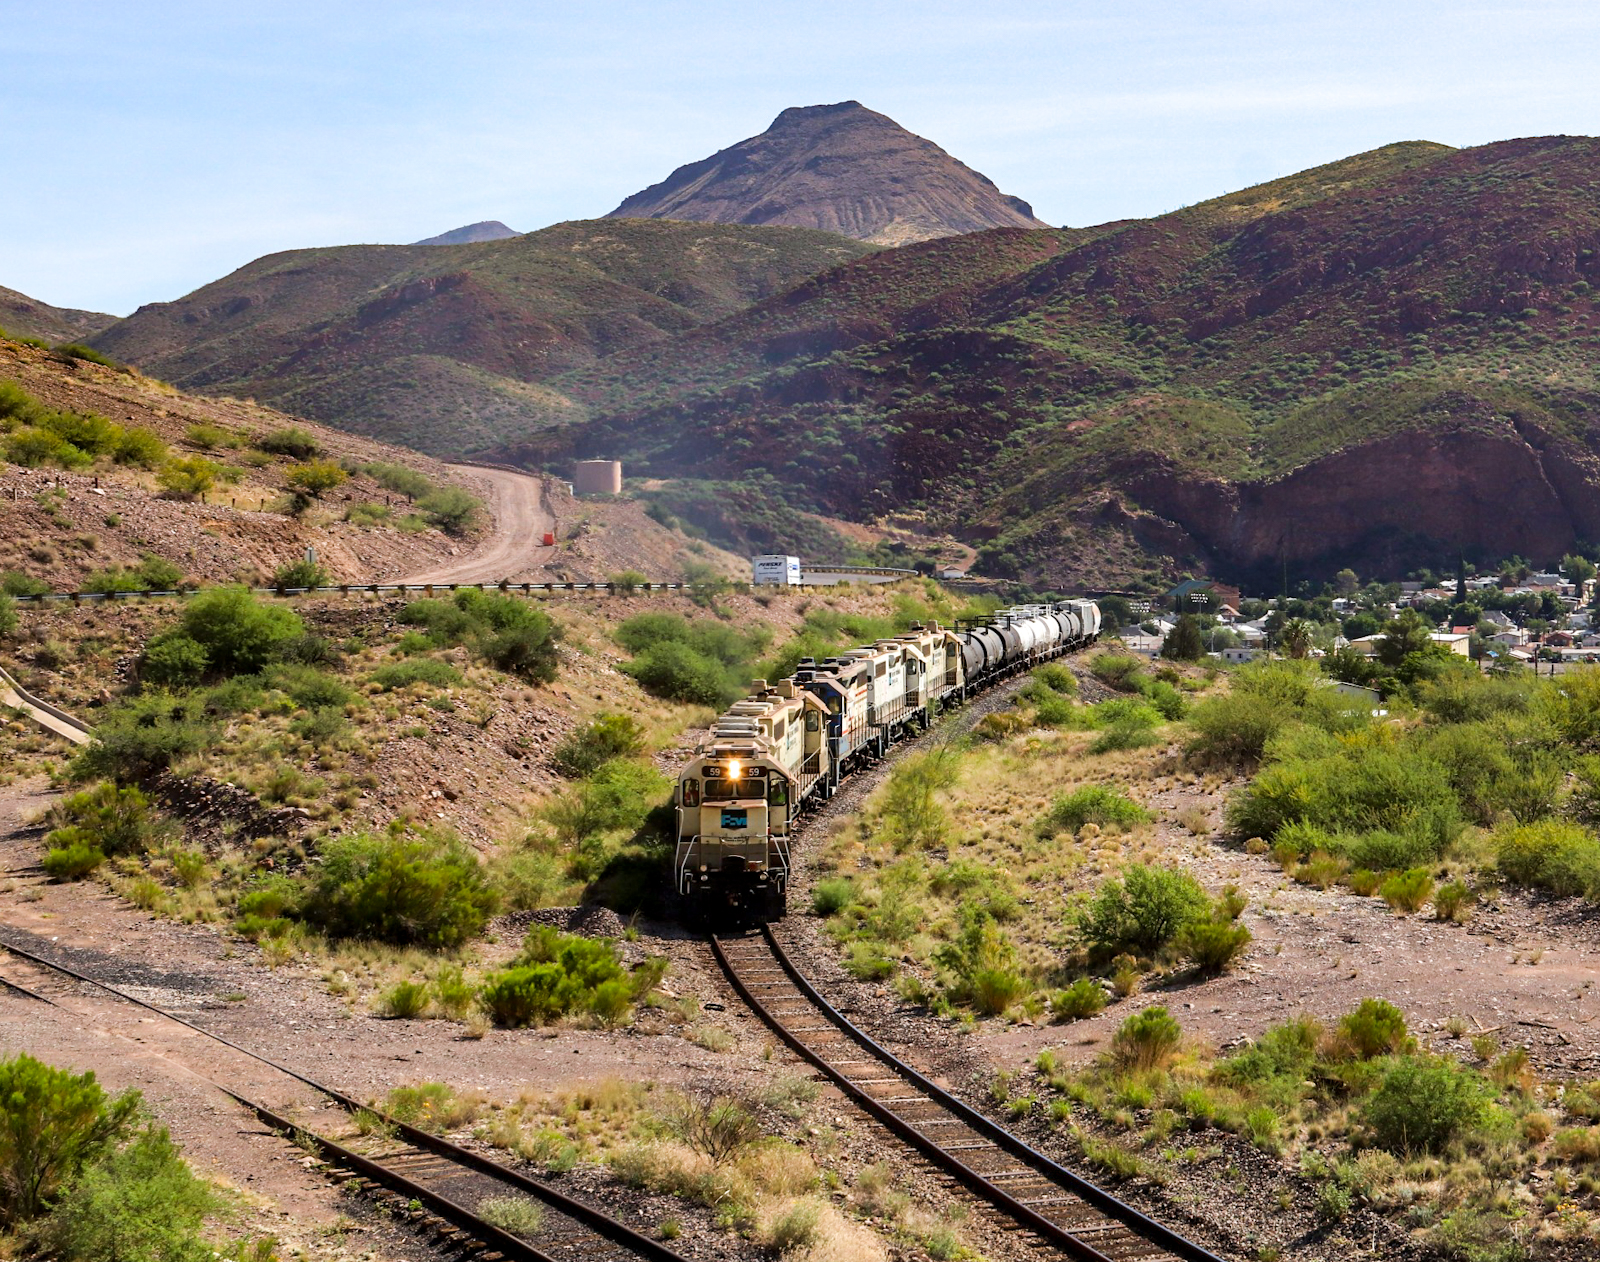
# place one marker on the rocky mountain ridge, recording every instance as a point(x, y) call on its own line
point(837, 168)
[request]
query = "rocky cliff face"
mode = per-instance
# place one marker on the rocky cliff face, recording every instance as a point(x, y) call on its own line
point(1389, 504)
point(841, 168)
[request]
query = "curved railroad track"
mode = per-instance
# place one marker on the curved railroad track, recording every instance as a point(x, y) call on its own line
point(1062, 1209)
point(444, 1178)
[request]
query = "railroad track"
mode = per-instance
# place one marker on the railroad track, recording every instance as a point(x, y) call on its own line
point(1064, 1210)
point(443, 1178)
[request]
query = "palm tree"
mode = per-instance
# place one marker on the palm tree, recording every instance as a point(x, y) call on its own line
point(1296, 638)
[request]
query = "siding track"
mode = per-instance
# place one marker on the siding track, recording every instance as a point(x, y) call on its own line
point(422, 1168)
point(1071, 1215)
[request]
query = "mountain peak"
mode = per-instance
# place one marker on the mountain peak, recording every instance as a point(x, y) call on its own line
point(484, 230)
point(841, 168)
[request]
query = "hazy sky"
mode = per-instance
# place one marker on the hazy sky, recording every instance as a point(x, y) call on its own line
point(149, 148)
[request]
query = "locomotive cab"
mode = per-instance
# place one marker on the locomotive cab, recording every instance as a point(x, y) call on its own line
point(735, 806)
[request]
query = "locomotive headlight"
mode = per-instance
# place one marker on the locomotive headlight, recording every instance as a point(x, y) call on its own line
point(733, 769)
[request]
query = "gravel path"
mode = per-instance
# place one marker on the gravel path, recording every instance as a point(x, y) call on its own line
point(514, 549)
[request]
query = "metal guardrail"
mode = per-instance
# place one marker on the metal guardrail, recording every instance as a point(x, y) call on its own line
point(423, 589)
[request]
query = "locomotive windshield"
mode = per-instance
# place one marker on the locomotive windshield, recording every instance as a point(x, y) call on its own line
point(722, 789)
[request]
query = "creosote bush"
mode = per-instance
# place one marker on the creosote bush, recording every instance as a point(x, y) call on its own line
point(557, 974)
point(603, 738)
point(1092, 804)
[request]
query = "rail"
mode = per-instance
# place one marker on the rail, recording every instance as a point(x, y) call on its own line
point(1118, 1212)
point(613, 1231)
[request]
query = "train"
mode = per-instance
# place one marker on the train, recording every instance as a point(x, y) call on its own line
point(790, 744)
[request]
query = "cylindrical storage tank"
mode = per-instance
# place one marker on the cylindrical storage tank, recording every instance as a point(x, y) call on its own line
point(971, 656)
point(1063, 627)
point(1012, 639)
point(1070, 626)
point(994, 648)
point(1049, 632)
point(1028, 631)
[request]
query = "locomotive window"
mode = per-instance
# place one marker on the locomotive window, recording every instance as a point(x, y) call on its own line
point(835, 705)
point(778, 729)
point(882, 668)
point(691, 792)
point(778, 792)
point(812, 721)
point(721, 789)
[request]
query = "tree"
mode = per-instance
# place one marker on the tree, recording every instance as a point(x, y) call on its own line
point(315, 476)
point(1297, 638)
point(1578, 569)
point(1405, 634)
point(238, 633)
point(1461, 579)
point(1183, 642)
point(1346, 582)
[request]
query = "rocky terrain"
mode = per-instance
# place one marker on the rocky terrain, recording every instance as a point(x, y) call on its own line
point(838, 168)
point(444, 347)
point(484, 230)
point(22, 316)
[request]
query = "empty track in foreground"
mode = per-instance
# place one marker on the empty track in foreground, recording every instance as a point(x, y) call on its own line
point(1068, 1214)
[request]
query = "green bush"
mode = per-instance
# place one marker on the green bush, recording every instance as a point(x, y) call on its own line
point(1213, 944)
point(142, 1203)
point(173, 659)
point(1407, 891)
point(1144, 911)
point(1123, 735)
point(290, 441)
point(555, 974)
point(1375, 1028)
point(8, 615)
point(1146, 1040)
point(981, 963)
point(188, 476)
point(416, 670)
point(833, 895)
point(114, 820)
point(704, 662)
point(71, 856)
point(678, 673)
point(404, 1000)
point(55, 1125)
point(239, 633)
point(313, 477)
point(451, 509)
point(617, 799)
point(301, 573)
point(399, 479)
point(510, 633)
point(16, 583)
point(1092, 804)
point(427, 890)
point(1084, 998)
point(142, 736)
point(1117, 671)
point(520, 1215)
point(1057, 678)
point(77, 350)
point(1552, 854)
point(1423, 1103)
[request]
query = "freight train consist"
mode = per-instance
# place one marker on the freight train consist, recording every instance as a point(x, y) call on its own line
point(789, 745)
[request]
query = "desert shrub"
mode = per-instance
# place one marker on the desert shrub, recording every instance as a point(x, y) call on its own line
point(404, 1000)
point(142, 736)
point(520, 1215)
point(629, 581)
point(833, 895)
point(208, 437)
point(1283, 1052)
point(398, 478)
point(911, 815)
point(1553, 854)
point(173, 659)
point(603, 738)
point(1464, 698)
point(617, 797)
point(136, 445)
point(115, 821)
point(981, 963)
point(1423, 1103)
point(16, 583)
point(1123, 735)
point(866, 962)
point(1143, 911)
point(239, 633)
point(301, 573)
point(291, 441)
point(1092, 804)
point(55, 1125)
point(451, 509)
point(8, 615)
point(555, 974)
point(1166, 699)
point(678, 673)
point(77, 350)
point(71, 856)
point(32, 447)
point(428, 890)
point(1146, 1040)
point(307, 686)
point(1116, 670)
point(1084, 998)
point(1375, 1028)
point(141, 1203)
point(509, 633)
point(1407, 891)
point(795, 1229)
point(1213, 944)
point(1057, 678)
point(416, 670)
point(1451, 899)
point(719, 1129)
point(188, 476)
point(313, 477)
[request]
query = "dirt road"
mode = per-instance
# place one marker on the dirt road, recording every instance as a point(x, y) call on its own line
point(514, 549)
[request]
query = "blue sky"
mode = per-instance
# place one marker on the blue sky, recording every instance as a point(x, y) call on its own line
point(151, 148)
